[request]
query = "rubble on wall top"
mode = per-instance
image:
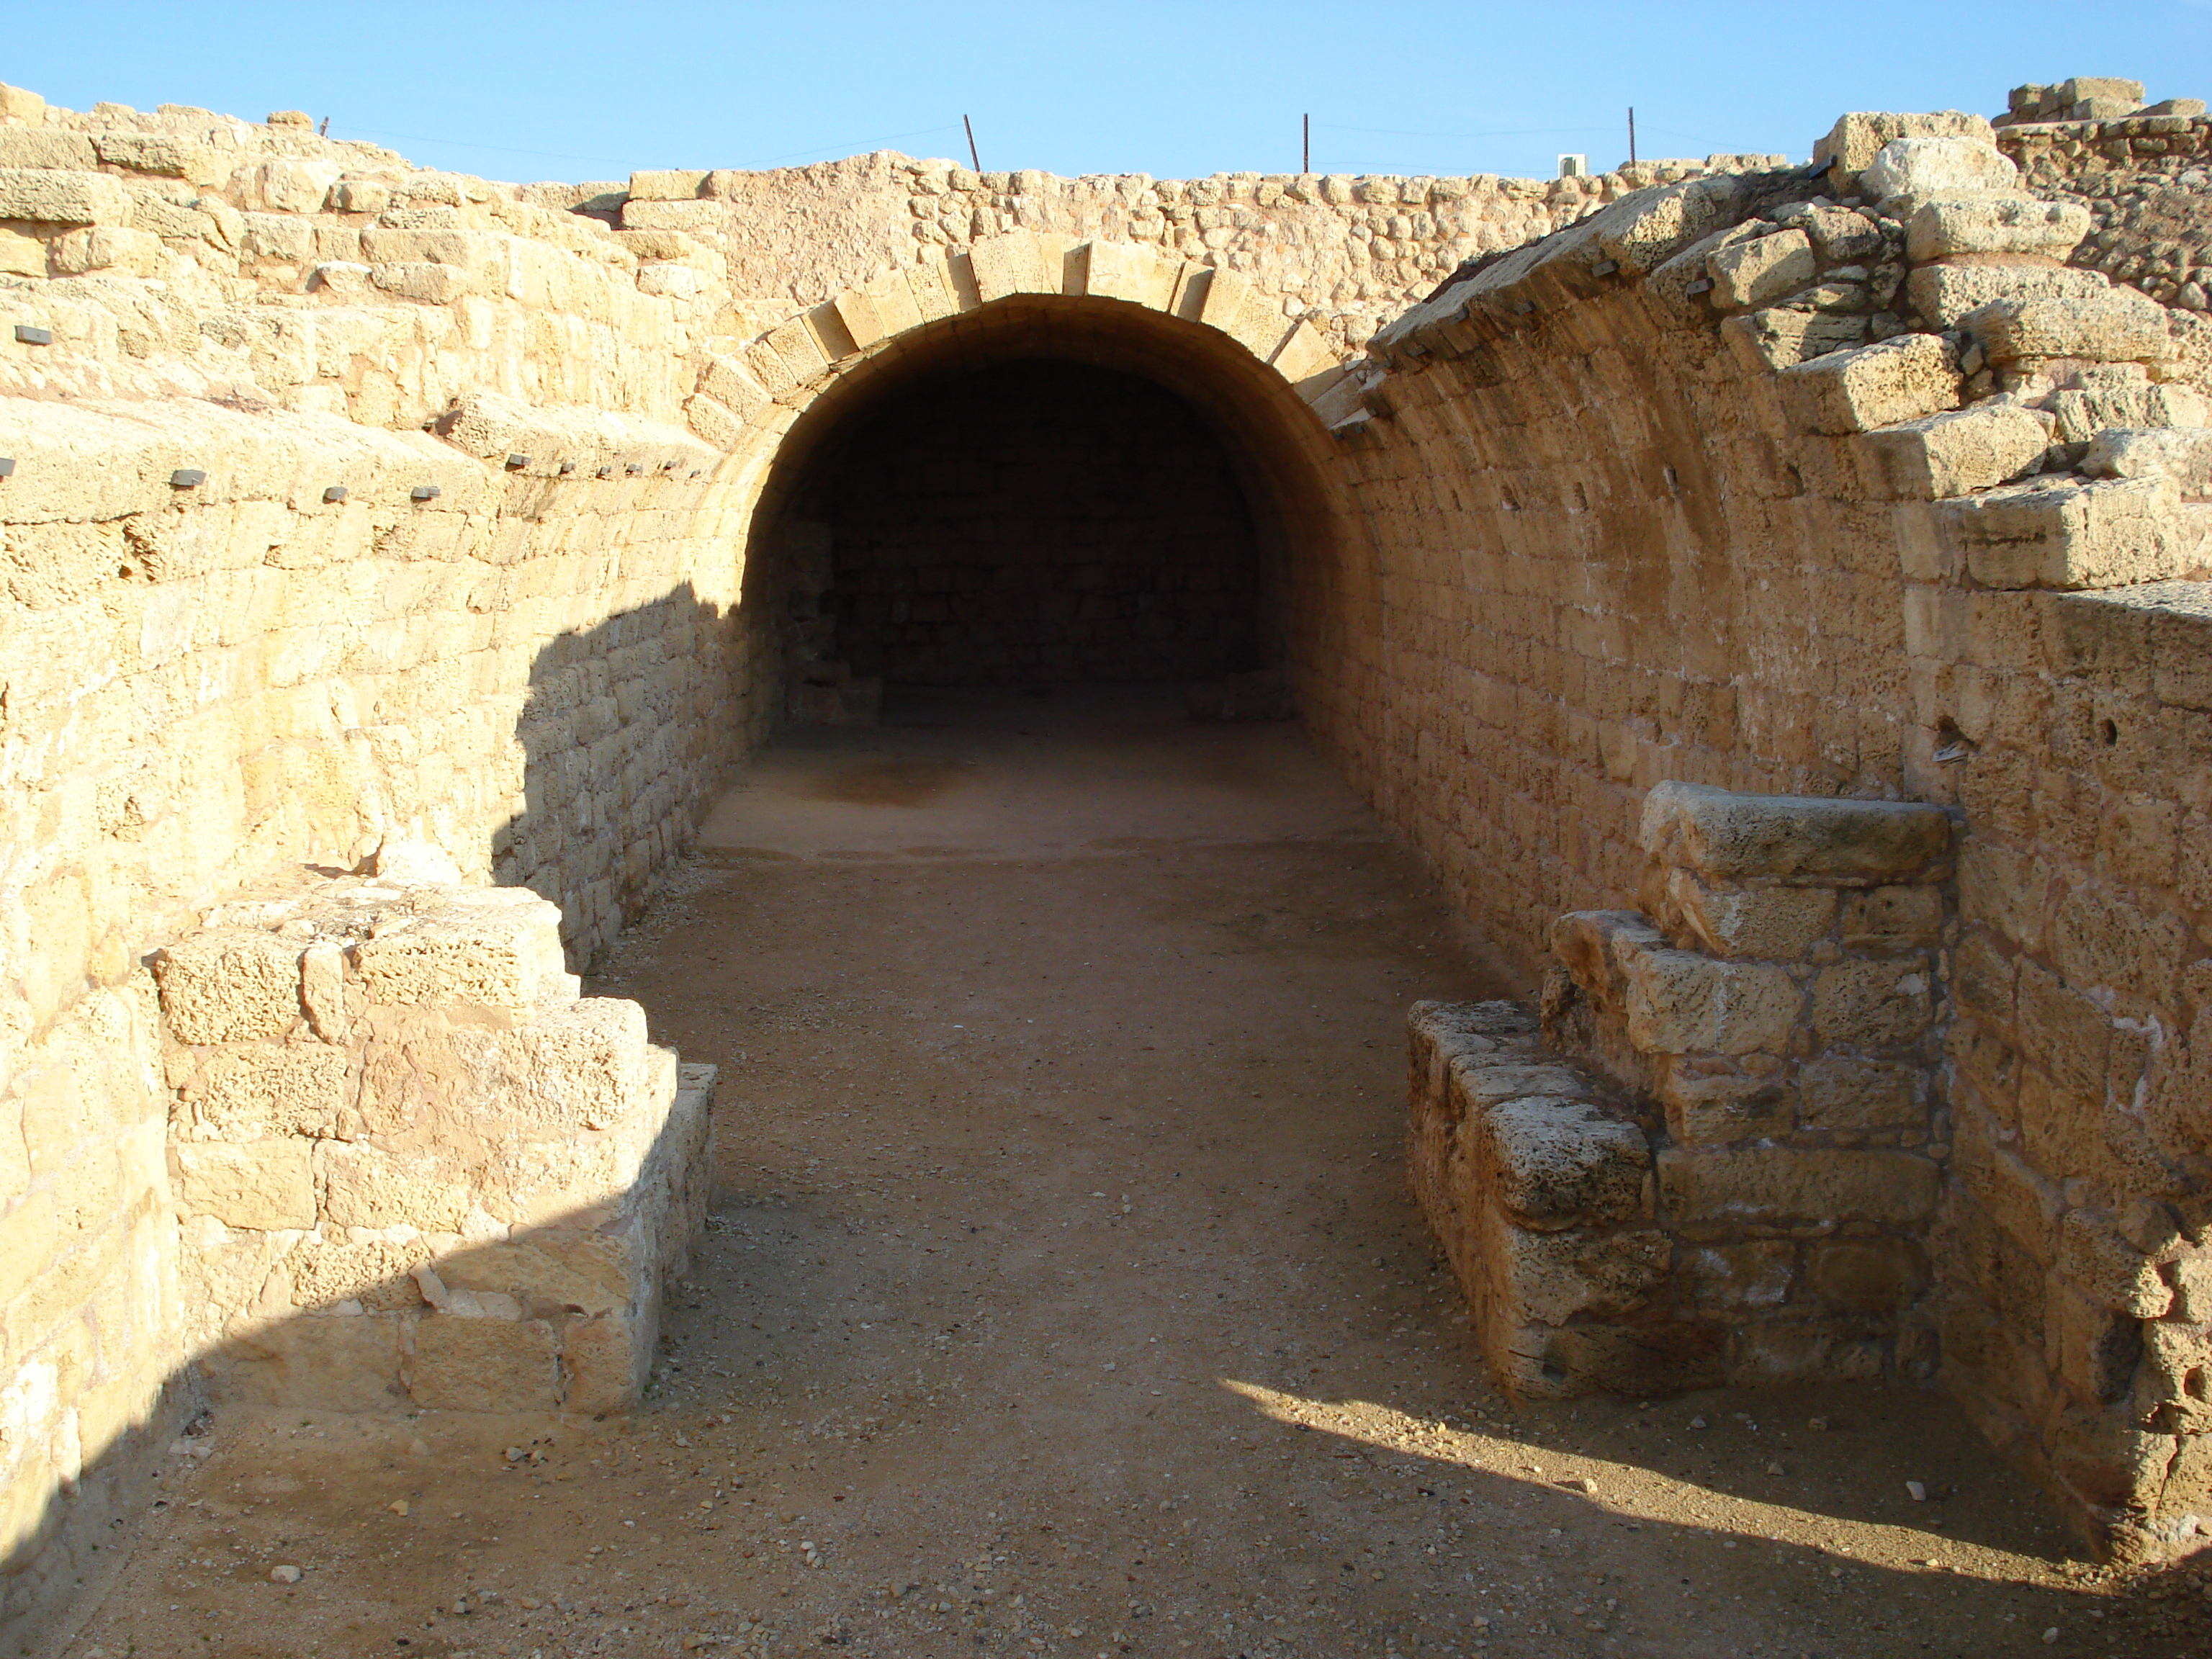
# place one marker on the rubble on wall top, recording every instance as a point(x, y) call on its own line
point(2087, 98)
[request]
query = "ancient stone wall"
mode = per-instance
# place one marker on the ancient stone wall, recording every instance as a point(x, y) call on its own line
point(411, 1165)
point(1846, 486)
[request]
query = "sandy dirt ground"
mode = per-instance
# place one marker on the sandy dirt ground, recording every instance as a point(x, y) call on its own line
point(1063, 1296)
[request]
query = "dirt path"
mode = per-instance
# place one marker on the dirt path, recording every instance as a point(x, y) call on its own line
point(1064, 1299)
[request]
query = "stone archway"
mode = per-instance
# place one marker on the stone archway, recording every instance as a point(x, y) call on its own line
point(1265, 383)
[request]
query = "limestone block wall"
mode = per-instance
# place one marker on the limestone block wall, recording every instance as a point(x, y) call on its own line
point(1849, 485)
point(335, 637)
point(1720, 1161)
point(410, 1163)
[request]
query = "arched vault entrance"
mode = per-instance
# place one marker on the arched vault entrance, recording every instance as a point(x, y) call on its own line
point(1050, 484)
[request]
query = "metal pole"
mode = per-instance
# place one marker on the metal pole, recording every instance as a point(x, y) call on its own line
point(1631, 135)
point(1305, 143)
point(972, 157)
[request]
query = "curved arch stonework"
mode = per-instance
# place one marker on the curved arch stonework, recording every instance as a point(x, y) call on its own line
point(764, 388)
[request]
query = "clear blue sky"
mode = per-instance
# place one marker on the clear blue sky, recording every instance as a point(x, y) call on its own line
point(560, 91)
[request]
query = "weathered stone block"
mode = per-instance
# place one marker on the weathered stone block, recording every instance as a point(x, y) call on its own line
point(1856, 139)
point(1803, 1351)
point(1723, 834)
point(484, 1365)
point(1682, 1002)
point(1892, 918)
point(1632, 1360)
point(253, 1091)
point(1867, 1275)
point(1784, 1184)
point(1844, 1092)
point(1551, 1164)
point(1763, 270)
point(229, 986)
point(1903, 378)
point(263, 1184)
point(1912, 170)
point(1776, 924)
point(1549, 1277)
point(1748, 1277)
point(2061, 533)
point(2095, 1260)
point(605, 1362)
point(2183, 454)
point(1709, 1106)
point(367, 1185)
point(1949, 227)
point(493, 948)
point(55, 197)
point(2116, 326)
point(1945, 295)
point(1874, 1005)
point(347, 1364)
point(1966, 450)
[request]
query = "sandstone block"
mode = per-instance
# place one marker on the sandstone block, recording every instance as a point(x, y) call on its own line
point(1549, 1277)
point(427, 284)
point(264, 1184)
point(493, 948)
point(59, 197)
point(251, 1090)
point(368, 1186)
point(1782, 336)
point(378, 1274)
point(1551, 1164)
point(1631, 1359)
point(1778, 924)
point(1711, 1106)
point(2114, 325)
point(1682, 1002)
point(165, 155)
point(1756, 272)
point(2095, 1260)
point(1903, 379)
point(1749, 1276)
point(667, 184)
point(1873, 1004)
point(1593, 945)
point(463, 1365)
point(47, 147)
point(2183, 453)
point(18, 104)
point(1856, 139)
point(1916, 170)
point(1950, 226)
point(2061, 533)
point(1803, 1351)
point(1723, 834)
point(1644, 229)
point(284, 184)
point(605, 1362)
point(1966, 450)
point(1776, 1184)
point(229, 986)
point(1867, 1275)
point(328, 1364)
point(1945, 295)
point(1892, 918)
point(1849, 1094)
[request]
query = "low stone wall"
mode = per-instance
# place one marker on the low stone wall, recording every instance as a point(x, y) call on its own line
point(412, 1166)
point(1720, 1161)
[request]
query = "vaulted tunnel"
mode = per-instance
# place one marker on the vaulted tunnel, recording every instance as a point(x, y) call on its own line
point(1049, 492)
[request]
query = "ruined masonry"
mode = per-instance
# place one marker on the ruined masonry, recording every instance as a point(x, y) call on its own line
point(1774, 600)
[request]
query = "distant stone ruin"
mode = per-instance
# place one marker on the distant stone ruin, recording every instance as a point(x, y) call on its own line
point(1773, 599)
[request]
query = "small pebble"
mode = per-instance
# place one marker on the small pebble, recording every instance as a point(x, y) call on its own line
point(398, 1506)
point(1919, 1493)
point(284, 1575)
point(1775, 1467)
point(1697, 1422)
point(2051, 1635)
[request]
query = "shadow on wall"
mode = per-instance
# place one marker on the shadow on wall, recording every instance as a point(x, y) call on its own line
point(410, 1164)
point(629, 729)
